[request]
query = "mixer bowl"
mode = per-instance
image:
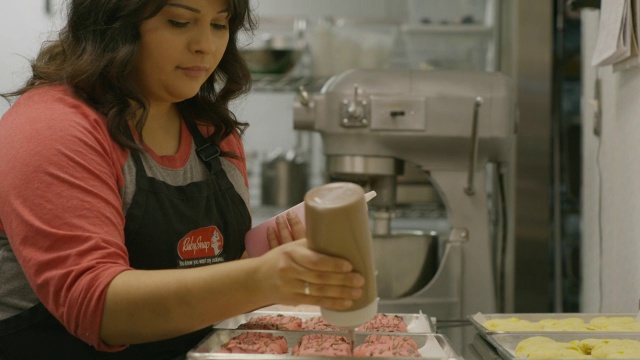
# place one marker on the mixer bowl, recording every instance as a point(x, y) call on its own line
point(405, 262)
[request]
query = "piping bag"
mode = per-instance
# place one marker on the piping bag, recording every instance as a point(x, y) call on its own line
point(255, 240)
point(337, 222)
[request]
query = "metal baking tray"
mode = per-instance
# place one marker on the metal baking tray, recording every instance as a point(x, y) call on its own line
point(506, 344)
point(479, 319)
point(416, 323)
point(431, 346)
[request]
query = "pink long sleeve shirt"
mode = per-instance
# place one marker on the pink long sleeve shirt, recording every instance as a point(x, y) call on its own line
point(63, 197)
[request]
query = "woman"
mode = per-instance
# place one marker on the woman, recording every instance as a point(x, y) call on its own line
point(123, 195)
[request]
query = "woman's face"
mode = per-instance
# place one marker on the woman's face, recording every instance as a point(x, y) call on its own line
point(180, 48)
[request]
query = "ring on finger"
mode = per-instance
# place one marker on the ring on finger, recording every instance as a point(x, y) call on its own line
point(307, 289)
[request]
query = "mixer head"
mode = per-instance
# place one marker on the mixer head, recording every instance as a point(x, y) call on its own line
point(422, 116)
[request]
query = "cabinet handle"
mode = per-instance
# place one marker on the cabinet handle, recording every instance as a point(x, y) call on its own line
point(473, 156)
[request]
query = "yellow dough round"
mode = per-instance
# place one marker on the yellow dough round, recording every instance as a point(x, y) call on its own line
point(539, 347)
point(512, 324)
point(617, 349)
point(600, 323)
point(615, 323)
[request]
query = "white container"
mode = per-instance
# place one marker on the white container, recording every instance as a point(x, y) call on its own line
point(450, 11)
point(342, 44)
point(450, 47)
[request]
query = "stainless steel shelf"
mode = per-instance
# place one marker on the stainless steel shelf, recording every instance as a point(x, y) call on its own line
point(286, 83)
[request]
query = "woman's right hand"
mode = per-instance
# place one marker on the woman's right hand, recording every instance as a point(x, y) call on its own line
point(293, 274)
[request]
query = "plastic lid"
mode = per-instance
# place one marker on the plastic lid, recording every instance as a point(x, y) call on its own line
point(334, 195)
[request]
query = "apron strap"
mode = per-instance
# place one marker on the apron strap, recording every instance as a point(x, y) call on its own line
point(205, 150)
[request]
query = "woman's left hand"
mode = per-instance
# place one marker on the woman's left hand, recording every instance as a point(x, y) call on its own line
point(288, 228)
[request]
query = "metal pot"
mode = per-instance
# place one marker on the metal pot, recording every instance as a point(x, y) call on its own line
point(285, 179)
point(270, 61)
point(278, 48)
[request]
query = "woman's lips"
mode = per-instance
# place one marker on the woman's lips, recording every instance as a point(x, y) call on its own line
point(194, 71)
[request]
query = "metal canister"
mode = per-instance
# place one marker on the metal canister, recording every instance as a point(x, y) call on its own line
point(285, 179)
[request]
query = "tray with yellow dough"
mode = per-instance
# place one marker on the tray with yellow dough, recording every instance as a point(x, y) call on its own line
point(546, 323)
point(583, 345)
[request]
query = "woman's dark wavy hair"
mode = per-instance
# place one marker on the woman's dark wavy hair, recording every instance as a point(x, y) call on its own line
point(94, 55)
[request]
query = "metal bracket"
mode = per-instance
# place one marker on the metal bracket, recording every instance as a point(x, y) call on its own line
point(355, 112)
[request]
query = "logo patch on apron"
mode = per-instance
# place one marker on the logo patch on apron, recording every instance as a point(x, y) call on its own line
point(200, 246)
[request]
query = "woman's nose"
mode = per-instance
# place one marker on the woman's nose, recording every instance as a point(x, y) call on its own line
point(202, 42)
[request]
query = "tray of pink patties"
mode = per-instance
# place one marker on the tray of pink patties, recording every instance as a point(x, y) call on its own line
point(277, 333)
point(274, 319)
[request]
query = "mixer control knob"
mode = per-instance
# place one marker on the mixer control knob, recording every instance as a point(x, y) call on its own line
point(354, 111)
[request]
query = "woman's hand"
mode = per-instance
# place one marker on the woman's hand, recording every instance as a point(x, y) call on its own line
point(288, 228)
point(294, 274)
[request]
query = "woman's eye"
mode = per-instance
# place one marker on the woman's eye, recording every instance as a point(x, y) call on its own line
point(178, 24)
point(219, 26)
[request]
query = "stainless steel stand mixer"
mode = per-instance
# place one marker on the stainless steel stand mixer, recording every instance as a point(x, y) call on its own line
point(458, 129)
